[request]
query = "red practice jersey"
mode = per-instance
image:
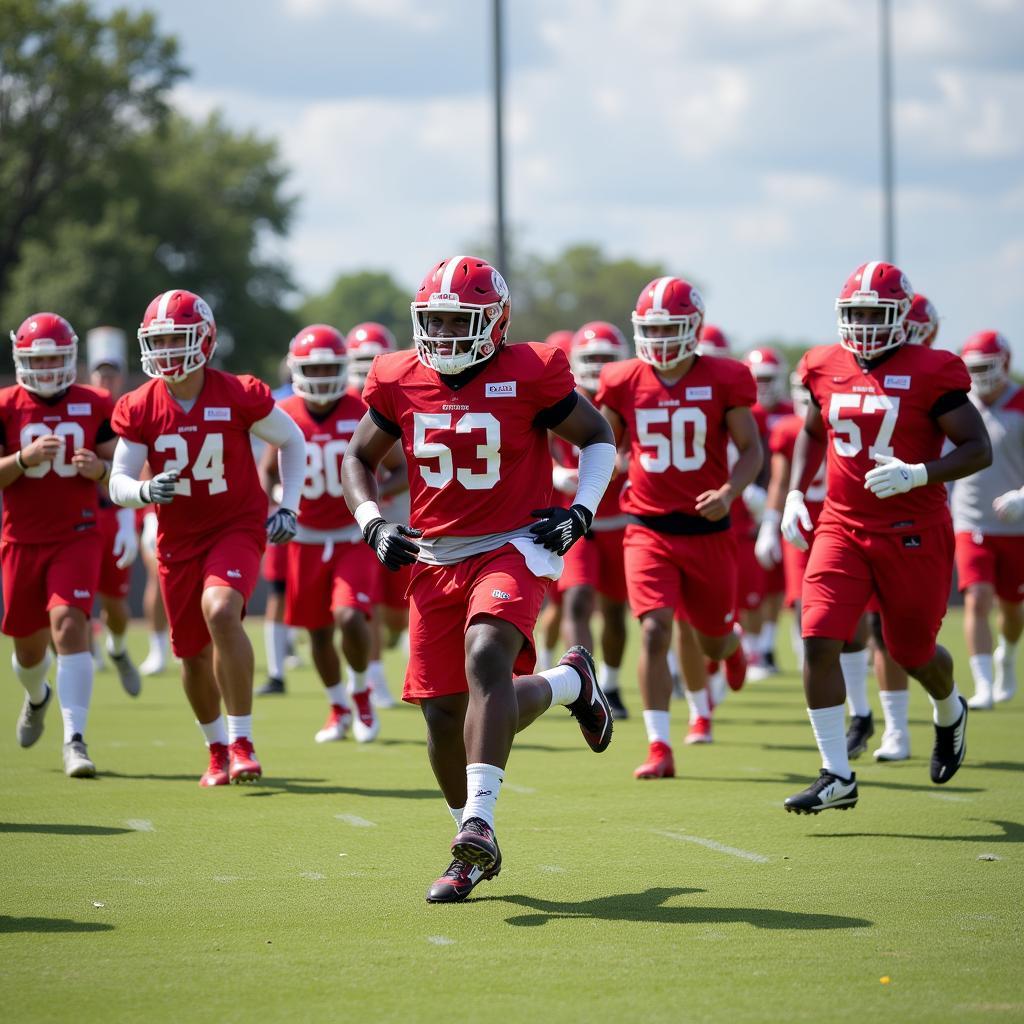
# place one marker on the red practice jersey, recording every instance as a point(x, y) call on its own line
point(478, 456)
point(568, 455)
point(782, 441)
point(767, 418)
point(888, 409)
point(52, 502)
point(678, 434)
point(219, 487)
point(323, 503)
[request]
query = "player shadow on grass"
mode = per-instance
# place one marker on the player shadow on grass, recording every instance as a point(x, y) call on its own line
point(47, 829)
point(648, 907)
point(793, 779)
point(1013, 832)
point(9, 925)
point(275, 785)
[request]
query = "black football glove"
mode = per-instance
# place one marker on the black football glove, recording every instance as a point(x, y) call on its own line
point(560, 528)
point(281, 526)
point(160, 490)
point(391, 544)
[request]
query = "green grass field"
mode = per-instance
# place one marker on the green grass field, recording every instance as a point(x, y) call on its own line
point(139, 896)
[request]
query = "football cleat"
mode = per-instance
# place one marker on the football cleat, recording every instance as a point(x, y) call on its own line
point(380, 695)
point(757, 670)
point(339, 719)
point(131, 682)
point(77, 763)
point(365, 723)
point(32, 719)
point(659, 763)
point(153, 664)
point(619, 710)
point(861, 729)
point(1005, 675)
point(243, 764)
point(827, 792)
point(700, 731)
point(981, 701)
point(217, 772)
point(591, 709)
point(895, 746)
point(476, 844)
point(736, 668)
point(460, 879)
point(270, 687)
point(950, 748)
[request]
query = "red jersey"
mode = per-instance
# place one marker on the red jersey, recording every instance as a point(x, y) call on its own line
point(323, 503)
point(767, 418)
point(568, 455)
point(886, 409)
point(219, 487)
point(478, 455)
point(782, 441)
point(678, 434)
point(52, 501)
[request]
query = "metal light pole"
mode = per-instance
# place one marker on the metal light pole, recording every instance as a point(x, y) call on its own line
point(500, 245)
point(885, 77)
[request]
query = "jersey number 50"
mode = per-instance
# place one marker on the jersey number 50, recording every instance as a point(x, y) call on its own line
point(670, 450)
point(442, 475)
point(208, 466)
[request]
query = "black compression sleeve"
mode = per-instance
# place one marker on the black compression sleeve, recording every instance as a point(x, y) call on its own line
point(555, 414)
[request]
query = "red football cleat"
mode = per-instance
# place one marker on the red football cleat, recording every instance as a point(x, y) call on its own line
point(217, 773)
point(339, 718)
point(659, 763)
point(736, 668)
point(244, 766)
point(700, 731)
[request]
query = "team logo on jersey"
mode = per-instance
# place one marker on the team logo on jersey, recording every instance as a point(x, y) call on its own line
point(505, 389)
point(79, 409)
point(233, 574)
point(698, 394)
point(899, 382)
point(501, 595)
point(217, 412)
point(82, 595)
point(912, 541)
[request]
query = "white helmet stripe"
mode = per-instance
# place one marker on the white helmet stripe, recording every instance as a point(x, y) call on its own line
point(449, 272)
point(161, 312)
point(865, 278)
point(659, 293)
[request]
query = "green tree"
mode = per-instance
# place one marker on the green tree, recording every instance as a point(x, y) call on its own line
point(356, 298)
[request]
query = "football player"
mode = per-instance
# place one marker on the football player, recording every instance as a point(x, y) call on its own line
point(679, 410)
point(473, 415)
point(988, 519)
point(55, 435)
point(192, 423)
point(883, 410)
point(108, 367)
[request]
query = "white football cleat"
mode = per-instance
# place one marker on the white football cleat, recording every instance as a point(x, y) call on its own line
point(365, 723)
point(337, 725)
point(1006, 676)
point(153, 664)
point(981, 701)
point(895, 746)
point(77, 763)
point(379, 692)
point(32, 719)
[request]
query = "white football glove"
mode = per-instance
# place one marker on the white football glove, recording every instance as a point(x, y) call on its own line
point(126, 540)
point(755, 498)
point(565, 480)
point(149, 528)
point(767, 547)
point(795, 518)
point(894, 476)
point(1010, 506)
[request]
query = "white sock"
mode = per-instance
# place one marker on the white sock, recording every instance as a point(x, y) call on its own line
point(545, 658)
point(336, 695)
point(375, 672)
point(698, 702)
point(1007, 651)
point(115, 643)
point(829, 725)
point(34, 678)
point(275, 642)
point(565, 683)
point(483, 783)
point(983, 672)
point(657, 724)
point(239, 727)
point(673, 664)
point(456, 813)
point(946, 711)
point(159, 644)
point(74, 691)
point(895, 704)
point(768, 638)
point(609, 679)
point(214, 732)
point(357, 681)
point(855, 672)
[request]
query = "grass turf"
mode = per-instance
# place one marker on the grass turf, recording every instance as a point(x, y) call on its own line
point(301, 898)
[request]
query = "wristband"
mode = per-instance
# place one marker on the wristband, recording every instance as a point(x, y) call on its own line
point(365, 514)
point(771, 517)
point(21, 463)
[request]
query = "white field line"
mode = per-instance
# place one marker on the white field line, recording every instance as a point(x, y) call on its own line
point(513, 788)
point(140, 825)
point(440, 940)
point(951, 798)
point(355, 821)
point(732, 851)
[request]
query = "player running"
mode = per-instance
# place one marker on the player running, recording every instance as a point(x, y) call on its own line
point(679, 410)
point(883, 409)
point(988, 520)
point(192, 423)
point(55, 435)
point(473, 416)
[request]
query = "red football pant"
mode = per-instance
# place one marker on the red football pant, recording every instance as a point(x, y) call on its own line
point(596, 561)
point(317, 588)
point(275, 563)
point(113, 582)
point(995, 560)
point(392, 587)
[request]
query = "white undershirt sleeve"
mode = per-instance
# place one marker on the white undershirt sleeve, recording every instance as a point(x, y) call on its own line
point(124, 486)
point(597, 461)
point(280, 430)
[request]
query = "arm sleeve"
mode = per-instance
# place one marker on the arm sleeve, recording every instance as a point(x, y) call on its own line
point(124, 486)
point(105, 433)
point(947, 403)
point(597, 461)
point(556, 413)
point(280, 430)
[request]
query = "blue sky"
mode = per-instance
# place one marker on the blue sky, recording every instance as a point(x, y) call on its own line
point(734, 140)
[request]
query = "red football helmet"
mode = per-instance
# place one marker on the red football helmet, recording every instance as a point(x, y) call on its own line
point(45, 336)
point(884, 290)
point(561, 339)
point(177, 312)
point(667, 302)
point(769, 373)
point(922, 322)
point(365, 343)
point(319, 345)
point(713, 342)
point(592, 346)
point(987, 356)
point(462, 284)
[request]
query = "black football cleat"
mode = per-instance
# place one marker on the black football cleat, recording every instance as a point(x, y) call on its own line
point(590, 709)
point(460, 880)
point(476, 844)
point(827, 792)
point(619, 710)
point(861, 729)
point(270, 687)
point(950, 748)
